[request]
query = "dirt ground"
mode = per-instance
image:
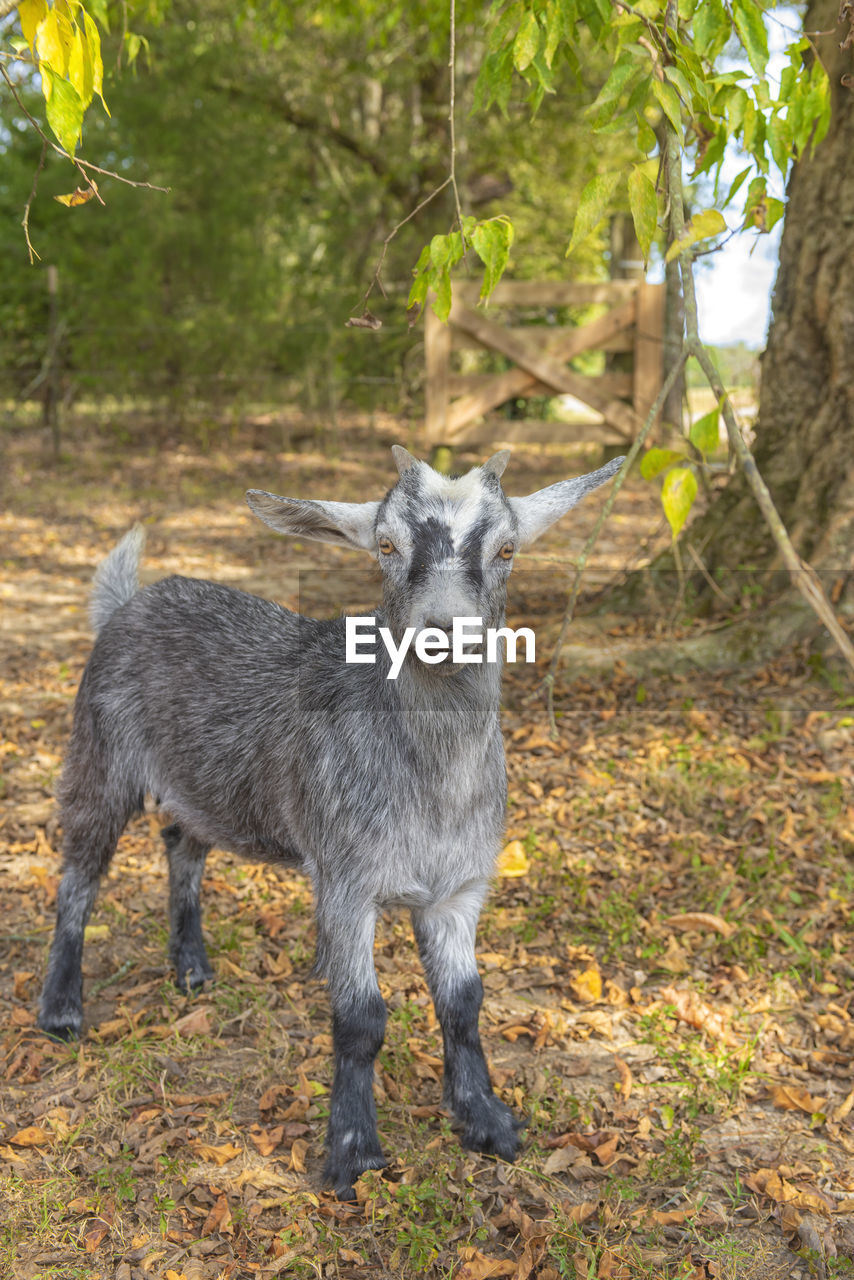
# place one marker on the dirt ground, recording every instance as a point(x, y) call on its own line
point(666, 952)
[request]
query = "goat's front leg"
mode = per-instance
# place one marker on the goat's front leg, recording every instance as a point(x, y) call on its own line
point(345, 956)
point(445, 933)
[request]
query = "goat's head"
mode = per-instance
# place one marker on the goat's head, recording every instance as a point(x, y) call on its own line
point(445, 544)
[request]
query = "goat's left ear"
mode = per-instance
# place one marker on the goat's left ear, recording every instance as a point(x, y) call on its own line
point(541, 509)
point(348, 524)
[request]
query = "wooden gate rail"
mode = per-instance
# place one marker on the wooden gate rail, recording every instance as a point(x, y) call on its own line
point(635, 322)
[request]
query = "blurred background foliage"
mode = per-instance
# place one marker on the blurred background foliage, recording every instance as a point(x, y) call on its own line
point(293, 139)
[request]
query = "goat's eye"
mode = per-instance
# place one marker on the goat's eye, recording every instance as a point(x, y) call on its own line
point(386, 546)
point(507, 551)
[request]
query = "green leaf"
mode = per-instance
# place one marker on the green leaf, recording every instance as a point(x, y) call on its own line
point(31, 13)
point(491, 241)
point(654, 461)
point(592, 207)
point(64, 110)
point(643, 203)
point(442, 285)
point(704, 433)
point(621, 74)
point(440, 252)
point(670, 103)
point(747, 17)
point(711, 29)
point(736, 184)
point(677, 497)
point(133, 44)
point(701, 227)
point(98, 9)
point(780, 140)
point(527, 42)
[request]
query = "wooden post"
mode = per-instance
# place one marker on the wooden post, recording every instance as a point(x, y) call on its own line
point(649, 336)
point(437, 357)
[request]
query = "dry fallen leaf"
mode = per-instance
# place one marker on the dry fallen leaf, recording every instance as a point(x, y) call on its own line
point(219, 1218)
point(701, 920)
point(216, 1155)
point(195, 1023)
point(33, 1136)
point(266, 1140)
point(587, 985)
point(624, 1084)
point(479, 1266)
point(792, 1098)
point(513, 861)
point(95, 1234)
point(298, 1152)
point(697, 1013)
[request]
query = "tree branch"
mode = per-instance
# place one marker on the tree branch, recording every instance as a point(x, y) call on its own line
point(84, 166)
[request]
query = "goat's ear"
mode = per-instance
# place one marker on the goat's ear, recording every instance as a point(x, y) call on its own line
point(403, 459)
point(348, 524)
point(496, 464)
point(541, 509)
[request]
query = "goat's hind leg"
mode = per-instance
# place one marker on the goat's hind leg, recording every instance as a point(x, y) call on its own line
point(445, 934)
point(91, 834)
point(186, 941)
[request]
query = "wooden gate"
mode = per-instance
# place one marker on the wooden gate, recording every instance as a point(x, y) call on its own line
point(457, 403)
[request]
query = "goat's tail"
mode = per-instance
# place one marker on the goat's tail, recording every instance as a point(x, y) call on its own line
point(116, 578)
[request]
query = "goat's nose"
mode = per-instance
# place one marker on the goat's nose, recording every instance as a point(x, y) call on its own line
point(440, 624)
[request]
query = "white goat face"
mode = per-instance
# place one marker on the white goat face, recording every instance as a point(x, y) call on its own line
point(445, 544)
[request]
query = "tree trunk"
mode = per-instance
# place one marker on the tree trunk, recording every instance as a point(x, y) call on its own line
point(805, 433)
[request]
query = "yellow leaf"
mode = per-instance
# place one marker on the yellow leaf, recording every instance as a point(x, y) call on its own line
point(54, 39)
point(216, 1155)
point(30, 1137)
point(96, 932)
point(80, 67)
point(588, 985)
point(82, 195)
point(31, 13)
point(513, 861)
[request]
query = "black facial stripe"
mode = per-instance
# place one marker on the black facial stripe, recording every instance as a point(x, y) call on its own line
point(431, 545)
point(471, 550)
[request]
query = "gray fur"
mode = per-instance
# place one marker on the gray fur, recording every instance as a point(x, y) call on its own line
point(116, 579)
point(244, 721)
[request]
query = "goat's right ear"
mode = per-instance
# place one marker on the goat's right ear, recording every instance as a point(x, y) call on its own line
point(347, 524)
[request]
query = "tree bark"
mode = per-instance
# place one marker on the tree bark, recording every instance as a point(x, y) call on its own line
point(805, 433)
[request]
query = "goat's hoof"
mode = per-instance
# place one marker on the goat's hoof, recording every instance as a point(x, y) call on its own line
point(493, 1130)
point(191, 975)
point(343, 1171)
point(63, 1032)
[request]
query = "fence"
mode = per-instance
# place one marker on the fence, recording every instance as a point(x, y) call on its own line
point(456, 403)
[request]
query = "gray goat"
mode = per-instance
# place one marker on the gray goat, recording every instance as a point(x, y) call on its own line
point(254, 735)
